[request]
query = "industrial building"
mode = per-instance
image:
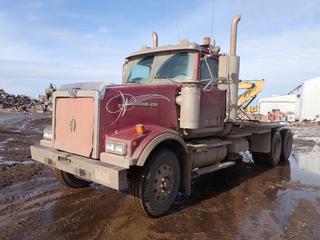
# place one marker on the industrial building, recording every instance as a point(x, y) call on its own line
point(302, 102)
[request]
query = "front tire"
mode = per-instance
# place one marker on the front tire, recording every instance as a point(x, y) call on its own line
point(69, 180)
point(154, 187)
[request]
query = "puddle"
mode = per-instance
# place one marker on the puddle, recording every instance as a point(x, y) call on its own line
point(305, 166)
point(21, 121)
point(307, 134)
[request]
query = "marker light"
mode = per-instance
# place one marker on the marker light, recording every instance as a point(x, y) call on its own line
point(140, 129)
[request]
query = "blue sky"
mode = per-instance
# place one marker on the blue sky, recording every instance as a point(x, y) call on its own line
point(64, 41)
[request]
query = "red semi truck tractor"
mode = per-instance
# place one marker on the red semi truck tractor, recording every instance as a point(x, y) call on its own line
point(174, 118)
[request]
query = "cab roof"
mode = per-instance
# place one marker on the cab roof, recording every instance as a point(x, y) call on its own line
point(165, 48)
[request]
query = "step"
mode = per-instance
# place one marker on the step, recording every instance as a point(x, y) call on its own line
point(213, 168)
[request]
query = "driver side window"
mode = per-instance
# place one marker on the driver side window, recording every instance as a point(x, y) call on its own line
point(204, 70)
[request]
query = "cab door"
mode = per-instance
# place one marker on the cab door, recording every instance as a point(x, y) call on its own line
point(213, 100)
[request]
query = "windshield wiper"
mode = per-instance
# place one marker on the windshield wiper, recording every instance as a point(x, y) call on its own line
point(135, 80)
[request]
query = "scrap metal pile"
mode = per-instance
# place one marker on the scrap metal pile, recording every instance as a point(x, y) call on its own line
point(21, 103)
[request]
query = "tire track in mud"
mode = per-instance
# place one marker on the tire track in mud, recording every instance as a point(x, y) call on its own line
point(79, 214)
point(20, 183)
point(33, 204)
point(18, 194)
point(17, 133)
point(22, 204)
point(47, 208)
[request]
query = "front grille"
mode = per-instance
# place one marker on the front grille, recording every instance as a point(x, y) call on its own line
point(74, 125)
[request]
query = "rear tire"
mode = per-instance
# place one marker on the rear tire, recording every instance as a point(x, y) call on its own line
point(69, 180)
point(154, 187)
point(272, 158)
point(287, 138)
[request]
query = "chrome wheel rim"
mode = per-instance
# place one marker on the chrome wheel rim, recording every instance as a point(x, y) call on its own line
point(163, 183)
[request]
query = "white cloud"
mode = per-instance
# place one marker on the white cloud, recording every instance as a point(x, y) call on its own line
point(67, 56)
point(12, 45)
point(22, 69)
point(38, 4)
point(31, 78)
point(284, 59)
point(283, 48)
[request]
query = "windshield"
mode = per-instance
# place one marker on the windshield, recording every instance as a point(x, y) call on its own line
point(176, 67)
point(141, 70)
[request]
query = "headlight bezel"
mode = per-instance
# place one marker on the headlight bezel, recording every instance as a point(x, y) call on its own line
point(47, 133)
point(114, 147)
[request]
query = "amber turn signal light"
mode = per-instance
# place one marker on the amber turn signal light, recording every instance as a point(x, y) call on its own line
point(140, 129)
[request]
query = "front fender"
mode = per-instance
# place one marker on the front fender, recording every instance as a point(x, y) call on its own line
point(154, 142)
point(140, 146)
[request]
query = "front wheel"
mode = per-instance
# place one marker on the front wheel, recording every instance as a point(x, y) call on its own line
point(154, 187)
point(69, 180)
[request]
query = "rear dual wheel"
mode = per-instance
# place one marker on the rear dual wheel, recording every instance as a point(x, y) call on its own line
point(273, 157)
point(287, 138)
point(281, 147)
point(154, 187)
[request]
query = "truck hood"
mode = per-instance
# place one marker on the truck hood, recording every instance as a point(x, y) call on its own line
point(124, 106)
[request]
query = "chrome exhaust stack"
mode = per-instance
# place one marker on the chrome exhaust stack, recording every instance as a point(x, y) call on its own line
point(234, 34)
point(155, 39)
point(229, 72)
point(234, 69)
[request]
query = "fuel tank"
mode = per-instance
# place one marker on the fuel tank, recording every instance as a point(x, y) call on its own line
point(208, 152)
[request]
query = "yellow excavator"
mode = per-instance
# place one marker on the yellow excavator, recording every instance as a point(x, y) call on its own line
point(252, 88)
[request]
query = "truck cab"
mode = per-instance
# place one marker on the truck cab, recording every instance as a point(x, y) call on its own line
point(170, 64)
point(173, 118)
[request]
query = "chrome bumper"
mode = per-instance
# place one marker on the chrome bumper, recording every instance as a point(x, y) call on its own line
point(106, 174)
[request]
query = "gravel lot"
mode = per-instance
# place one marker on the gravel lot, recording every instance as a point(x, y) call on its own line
point(246, 203)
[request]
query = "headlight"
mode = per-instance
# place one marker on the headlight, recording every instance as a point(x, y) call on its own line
point(47, 133)
point(116, 148)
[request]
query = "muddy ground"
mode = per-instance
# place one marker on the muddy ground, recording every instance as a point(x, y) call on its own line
point(246, 203)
